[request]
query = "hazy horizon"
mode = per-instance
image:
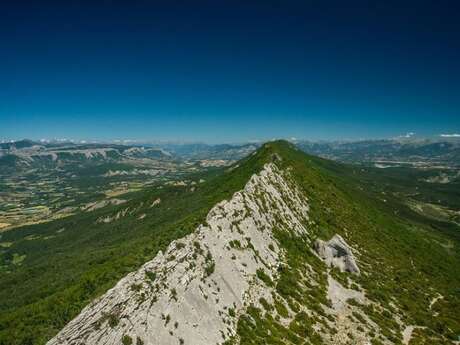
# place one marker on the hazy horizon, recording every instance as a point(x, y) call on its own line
point(408, 137)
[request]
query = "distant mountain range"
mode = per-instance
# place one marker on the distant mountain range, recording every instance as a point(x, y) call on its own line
point(446, 152)
point(28, 154)
point(383, 153)
point(201, 151)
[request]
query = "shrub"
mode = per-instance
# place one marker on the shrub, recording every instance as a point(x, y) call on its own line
point(113, 320)
point(126, 340)
point(264, 277)
point(151, 275)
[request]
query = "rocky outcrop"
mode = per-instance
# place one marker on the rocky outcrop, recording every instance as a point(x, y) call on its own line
point(337, 253)
point(194, 292)
point(92, 206)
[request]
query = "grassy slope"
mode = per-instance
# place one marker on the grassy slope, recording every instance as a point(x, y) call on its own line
point(402, 256)
point(62, 274)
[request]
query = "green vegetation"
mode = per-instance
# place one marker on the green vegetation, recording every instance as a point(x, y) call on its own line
point(126, 340)
point(53, 279)
point(259, 328)
point(210, 265)
point(113, 320)
point(235, 244)
point(209, 268)
point(264, 277)
point(151, 275)
point(393, 242)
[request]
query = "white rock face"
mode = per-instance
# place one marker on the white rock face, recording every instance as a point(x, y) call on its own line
point(339, 295)
point(337, 253)
point(343, 311)
point(195, 291)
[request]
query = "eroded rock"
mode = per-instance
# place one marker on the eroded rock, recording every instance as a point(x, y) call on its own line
point(337, 253)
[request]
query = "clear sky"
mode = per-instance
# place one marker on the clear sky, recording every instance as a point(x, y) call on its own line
point(226, 71)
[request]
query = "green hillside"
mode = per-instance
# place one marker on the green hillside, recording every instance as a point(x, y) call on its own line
point(50, 271)
point(406, 261)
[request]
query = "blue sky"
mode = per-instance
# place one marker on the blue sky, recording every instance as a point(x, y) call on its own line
point(226, 71)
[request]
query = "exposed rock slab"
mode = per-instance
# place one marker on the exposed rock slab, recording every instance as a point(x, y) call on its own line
point(337, 253)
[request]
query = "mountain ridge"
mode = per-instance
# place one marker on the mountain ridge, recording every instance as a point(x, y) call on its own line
point(225, 252)
point(346, 331)
point(388, 249)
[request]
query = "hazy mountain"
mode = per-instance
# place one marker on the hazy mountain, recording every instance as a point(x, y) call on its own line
point(20, 144)
point(26, 153)
point(397, 151)
point(201, 151)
